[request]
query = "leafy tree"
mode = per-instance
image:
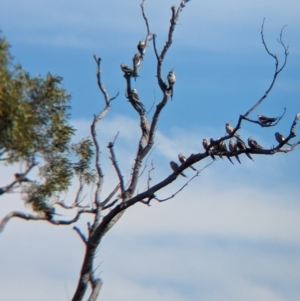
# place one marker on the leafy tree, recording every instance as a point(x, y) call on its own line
point(35, 132)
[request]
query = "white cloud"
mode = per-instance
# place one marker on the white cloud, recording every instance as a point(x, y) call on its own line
point(222, 238)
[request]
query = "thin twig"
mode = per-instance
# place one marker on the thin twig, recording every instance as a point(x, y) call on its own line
point(110, 204)
point(186, 184)
point(148, 156)
point(116, 166)
point(99, 82)
point(81, 235)
point(277, 69)
point(115, 190)
point(145, 18)
point(149, 174)
point(27, 216)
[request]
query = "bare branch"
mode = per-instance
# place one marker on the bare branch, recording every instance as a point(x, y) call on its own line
point(93, 131)
point(96, 287)
point(110, 146)
point(100, 85)
point(154, 121)
point(157, 57)
point(115, 190)
point(142, 152)
point(81, 235)
point(79, 191)
point(277, 69)
point(19, 215)
point(149, 174)
point(145, 18)
point(111, 204)
point(287, 150)
point(145, 164)
point(186, 184)
point(293, 128)
point(97, 162)
point(27, 216)
point(284, 47)
point(74, 205)
point(160, 58)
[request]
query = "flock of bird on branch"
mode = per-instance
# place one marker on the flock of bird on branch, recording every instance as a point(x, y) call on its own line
point(219, 149)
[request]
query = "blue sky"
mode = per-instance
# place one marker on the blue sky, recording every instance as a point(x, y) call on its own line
point(234, 232)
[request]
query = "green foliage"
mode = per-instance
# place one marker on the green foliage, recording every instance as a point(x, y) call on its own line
point(84, 152)
point(34, 127)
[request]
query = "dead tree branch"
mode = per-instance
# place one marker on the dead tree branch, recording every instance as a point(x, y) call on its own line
point(276, 73)
point(277, 68)
point(27, 216)
point(116, 166)
point(109, 197)
point(186, 184)
point(96, 287)
point(81, 235)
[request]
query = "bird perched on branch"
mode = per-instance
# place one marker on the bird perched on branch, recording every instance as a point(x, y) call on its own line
point(241, 145)
point(136, 63)
point(280, 138)
point(20, 177)
point(266, 120)
point(127, 70)
point(209, 151)
point(223, 148)
point(233, 148)
point(229, 130)
point(136, 99)
point(182, 159)
point(216, 147)
point(175, 167)
point(171, 80)
point(253, 144)
point(141, 46)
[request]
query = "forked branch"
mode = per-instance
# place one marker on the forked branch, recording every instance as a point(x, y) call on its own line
point(27, 216)
point(277, 68)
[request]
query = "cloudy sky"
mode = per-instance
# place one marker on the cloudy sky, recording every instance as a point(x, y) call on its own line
point(234, 232)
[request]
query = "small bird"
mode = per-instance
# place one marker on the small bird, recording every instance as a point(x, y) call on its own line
point(205, 143)
point(182, 159)
point(205, 146)
point(241, 145)
point(175, 167)
point(171, 80)
point(136, 99)
point(280, 138)
point(233, 148)
point(223, 148)
point(21, 177)
point(136, 63)
point(127, 70)
point(253, 144)
point(266, 120)
point(216, 147)
point(141, 46)
point(229, 130)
